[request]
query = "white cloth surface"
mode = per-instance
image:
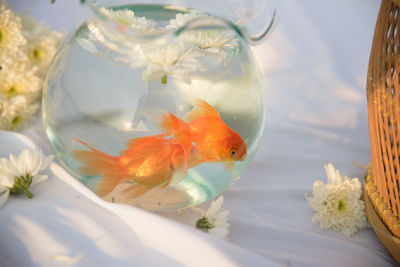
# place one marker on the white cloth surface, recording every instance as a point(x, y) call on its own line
point(66, 218)
point(314, 65)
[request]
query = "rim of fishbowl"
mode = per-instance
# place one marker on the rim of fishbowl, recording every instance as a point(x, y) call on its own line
point(96, 13)
point(95, 7)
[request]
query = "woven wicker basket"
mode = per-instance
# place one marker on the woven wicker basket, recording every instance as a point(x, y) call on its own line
point(383, 95)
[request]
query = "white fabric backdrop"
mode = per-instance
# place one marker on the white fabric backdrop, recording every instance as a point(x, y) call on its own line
point(314, 65)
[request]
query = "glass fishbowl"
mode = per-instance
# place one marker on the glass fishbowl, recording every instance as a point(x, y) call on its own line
point(157, 105)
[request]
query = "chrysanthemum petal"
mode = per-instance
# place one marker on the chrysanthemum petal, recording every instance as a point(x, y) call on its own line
point(219, 232)
point(3, 197)
point(47, 161)
point(38, 179)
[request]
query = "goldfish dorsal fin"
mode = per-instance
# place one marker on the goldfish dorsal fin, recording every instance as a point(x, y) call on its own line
point(170, 123)
point(200, 109)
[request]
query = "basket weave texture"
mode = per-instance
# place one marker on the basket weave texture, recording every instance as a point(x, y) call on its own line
point(383, 96)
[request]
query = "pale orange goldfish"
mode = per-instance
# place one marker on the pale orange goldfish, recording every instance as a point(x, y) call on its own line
point(149, 161)
point(214, 140)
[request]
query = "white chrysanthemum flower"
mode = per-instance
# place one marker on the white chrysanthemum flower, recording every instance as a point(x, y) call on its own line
point(176, 60)
point(127, 17)
point(19, 79)
point(19, 173)
point(42, 43)
point(338, 203)
point(215, 220)
point(218, 44)
point(11, 37)
point(17, 112)
point(183, 19)
point(214, 42)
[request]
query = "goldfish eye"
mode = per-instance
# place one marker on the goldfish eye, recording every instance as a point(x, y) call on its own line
point(233, 152)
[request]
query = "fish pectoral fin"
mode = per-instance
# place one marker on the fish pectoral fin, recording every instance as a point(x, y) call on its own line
point(177, 176)
point(200, 109)
point(179, 166)
point(230, 165)
point(165, 185)
point(151, 174)
point(152, 180)
point(195, 159)
point(185, 141)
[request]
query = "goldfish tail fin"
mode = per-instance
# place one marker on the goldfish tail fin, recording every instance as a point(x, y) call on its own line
point(200, 109)
point(95, 162)
point(106, 186)
point(140, 141)
point(135, 191)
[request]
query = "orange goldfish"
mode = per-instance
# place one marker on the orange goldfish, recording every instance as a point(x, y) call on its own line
point(214, 140)
point(164, 159)
point(149, 161)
